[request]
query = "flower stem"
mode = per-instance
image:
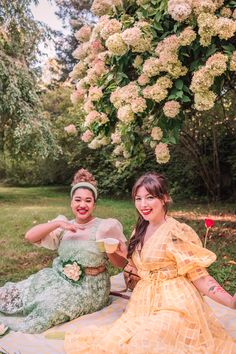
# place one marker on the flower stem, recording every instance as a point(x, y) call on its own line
point(205, 240)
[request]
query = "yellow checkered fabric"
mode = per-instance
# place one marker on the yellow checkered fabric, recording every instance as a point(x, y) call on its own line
point(166, 314)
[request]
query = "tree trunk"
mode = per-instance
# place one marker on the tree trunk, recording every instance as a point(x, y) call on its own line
point(216, 165)
point(191, 145)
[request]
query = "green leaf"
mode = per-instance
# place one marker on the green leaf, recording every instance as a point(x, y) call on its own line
point(186, 99)
point(228, 49)
point(186, 89)
point(176, 27)
point(157, 17)
point(195, 65)
point(158, 26)
point(172, 139)
point(109, 77)
point(172, 97)
point(179, 84)
point(179, 94)
point(151, 12)
point(211, 50)
point(145, 6)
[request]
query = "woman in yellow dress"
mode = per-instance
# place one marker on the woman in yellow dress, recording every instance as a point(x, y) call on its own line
point(166, 313)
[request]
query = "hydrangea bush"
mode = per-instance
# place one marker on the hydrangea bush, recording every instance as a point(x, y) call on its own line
point(145, 64)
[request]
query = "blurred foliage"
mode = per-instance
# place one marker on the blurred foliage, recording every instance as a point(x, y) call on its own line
point(24, 131)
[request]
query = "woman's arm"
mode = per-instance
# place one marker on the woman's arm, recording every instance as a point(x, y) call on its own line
point(118, 258)
point(38, 232)
point(207, 285)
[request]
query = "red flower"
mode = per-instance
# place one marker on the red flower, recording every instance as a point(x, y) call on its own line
point(209, 223)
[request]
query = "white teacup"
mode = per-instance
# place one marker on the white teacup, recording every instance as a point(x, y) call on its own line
point(110, 244)
point(100, 244)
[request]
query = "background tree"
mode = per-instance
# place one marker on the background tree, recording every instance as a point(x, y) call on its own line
point(209, 139)
point(77, 14)
point(23, 128)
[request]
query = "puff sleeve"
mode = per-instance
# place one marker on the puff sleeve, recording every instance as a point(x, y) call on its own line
point(186, 249)
point(110, 228)
point(52, 240)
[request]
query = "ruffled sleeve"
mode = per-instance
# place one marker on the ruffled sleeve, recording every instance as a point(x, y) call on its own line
point(110, 228)
point(52, 240)
point(186, 249)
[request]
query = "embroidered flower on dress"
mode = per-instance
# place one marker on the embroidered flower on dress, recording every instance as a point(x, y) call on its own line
point(72, 270)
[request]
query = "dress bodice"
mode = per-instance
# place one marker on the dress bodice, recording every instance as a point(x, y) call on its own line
point(173, 250)
point(84, 252)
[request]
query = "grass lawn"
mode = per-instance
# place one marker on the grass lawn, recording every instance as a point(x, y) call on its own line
point(21, 208)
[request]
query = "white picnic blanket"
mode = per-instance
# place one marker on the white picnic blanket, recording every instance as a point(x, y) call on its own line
point(21, 343)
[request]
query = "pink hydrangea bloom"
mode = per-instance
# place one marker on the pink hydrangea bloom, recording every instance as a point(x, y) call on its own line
point(180, 10)
point(125, 114)
point(156, 133)
point(143, 80)
point(116, 45)
point(162, 153)
point(225, 27)
point(78, 95)
point(138, 105)
point(151, 67)
point(87, 136)
point(233, 62)
point(171, 109)
point(88, 106)
point(95, 93)
point(92, 117)
point(83, 34)
point(204, 100)
point(110, 27)
point(71, 129)
point(116, 137)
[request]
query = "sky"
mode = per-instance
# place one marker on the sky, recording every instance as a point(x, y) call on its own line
point(45, 12)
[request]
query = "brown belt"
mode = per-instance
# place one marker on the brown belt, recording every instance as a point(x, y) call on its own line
point(94, 270)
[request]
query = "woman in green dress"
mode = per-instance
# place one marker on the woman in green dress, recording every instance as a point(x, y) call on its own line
point(78, 282)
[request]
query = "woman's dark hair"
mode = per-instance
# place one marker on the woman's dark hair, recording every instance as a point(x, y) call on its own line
point(156, 185)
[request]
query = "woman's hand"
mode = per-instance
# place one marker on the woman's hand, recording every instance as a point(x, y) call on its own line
point(122, 249)
point(38, 232)
point(67, 226)
point(118, 258)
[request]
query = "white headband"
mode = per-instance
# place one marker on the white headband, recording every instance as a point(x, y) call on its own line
point(84, 185)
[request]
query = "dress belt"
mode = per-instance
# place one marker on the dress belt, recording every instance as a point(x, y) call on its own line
point(94, 270)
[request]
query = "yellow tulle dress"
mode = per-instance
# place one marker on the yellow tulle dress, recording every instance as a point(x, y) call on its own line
point(166, 314)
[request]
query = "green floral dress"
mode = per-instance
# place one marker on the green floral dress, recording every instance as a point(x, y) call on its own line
point(49, 297)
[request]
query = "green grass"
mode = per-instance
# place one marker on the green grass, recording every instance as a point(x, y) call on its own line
point(21, 208)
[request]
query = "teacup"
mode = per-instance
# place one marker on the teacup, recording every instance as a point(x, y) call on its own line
point(100, 245)
point(110, 244)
